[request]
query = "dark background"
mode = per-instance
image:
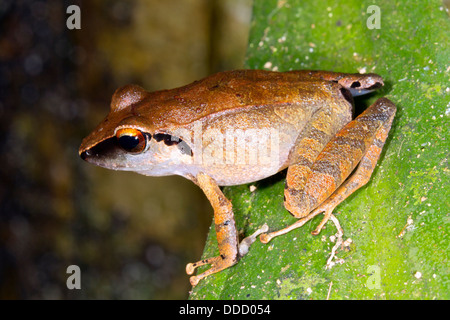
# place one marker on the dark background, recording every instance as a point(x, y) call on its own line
point(130, 235)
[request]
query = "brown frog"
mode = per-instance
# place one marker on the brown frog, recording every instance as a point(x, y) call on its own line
point(241, 126)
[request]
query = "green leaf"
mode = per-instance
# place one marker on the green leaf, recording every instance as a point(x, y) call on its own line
point(399, 222)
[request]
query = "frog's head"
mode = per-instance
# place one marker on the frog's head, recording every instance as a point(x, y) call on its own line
point(128, 140)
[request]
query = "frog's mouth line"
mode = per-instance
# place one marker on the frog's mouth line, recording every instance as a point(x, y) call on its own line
point(109, 154)
point(105, 154)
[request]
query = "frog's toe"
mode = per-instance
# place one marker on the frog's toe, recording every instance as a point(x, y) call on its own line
point(217, 264)
point(245, 244)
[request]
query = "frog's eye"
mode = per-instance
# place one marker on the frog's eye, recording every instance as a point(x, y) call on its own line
point(132, 140)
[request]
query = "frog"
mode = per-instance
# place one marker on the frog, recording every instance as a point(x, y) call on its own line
point(241, 126)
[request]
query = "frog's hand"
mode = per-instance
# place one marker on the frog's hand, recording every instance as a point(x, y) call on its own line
point(226, 232)
point(361, 141)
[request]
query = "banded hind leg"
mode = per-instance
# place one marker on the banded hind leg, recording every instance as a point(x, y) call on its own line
point(358, 144)
point(363, 171)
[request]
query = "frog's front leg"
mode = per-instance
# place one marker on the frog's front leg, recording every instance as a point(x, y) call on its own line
point(227, 237)
point(359, 142)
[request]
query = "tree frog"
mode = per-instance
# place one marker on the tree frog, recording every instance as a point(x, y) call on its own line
point(240, 126)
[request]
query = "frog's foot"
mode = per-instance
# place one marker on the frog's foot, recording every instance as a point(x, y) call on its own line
point(326, 209)
point(222, 262)
point(339, 241)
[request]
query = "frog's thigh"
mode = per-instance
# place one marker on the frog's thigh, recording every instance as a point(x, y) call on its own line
point(361, 140)
point(314, 139)
point(365, 167)
point(225, 226)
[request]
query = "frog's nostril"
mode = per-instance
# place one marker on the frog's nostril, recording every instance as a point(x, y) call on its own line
point(86, 154)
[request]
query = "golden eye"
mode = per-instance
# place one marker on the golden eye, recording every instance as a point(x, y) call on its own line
point(132, 140)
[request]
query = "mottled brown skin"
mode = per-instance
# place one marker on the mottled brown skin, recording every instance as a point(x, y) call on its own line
point(358, 144)
point(311, 112)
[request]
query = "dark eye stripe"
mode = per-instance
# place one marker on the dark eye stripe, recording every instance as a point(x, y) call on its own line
point(170, 140)
point(167, 138)
point(159, 136)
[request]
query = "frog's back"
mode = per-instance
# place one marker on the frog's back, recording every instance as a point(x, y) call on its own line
point(262, 110)
point(231, 90)
point(255, 119)
point(291, 93)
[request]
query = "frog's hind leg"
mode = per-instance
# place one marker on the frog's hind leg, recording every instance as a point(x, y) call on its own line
point(365, 167)
point(359, 143)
